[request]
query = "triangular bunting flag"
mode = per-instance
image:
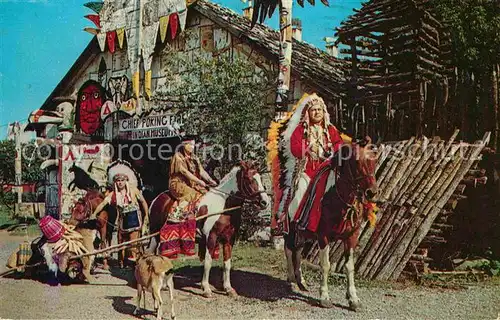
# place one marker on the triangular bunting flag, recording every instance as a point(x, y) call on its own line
point(147, 84)
point(101, 38)
point(120, 33)
point(174, 23)
point(182, 19)
point(163, 28)
point(95, 19)
point(135, 84)
point(93, 31)
point(111, 36)
point(95, 6)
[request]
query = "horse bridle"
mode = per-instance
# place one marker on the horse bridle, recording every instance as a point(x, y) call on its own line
point(248, 195)
point(354, 183)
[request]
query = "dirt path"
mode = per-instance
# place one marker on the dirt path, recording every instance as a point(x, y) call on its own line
point(260, 296)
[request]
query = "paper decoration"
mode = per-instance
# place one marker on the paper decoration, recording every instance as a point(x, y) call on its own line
point(147, 84)
point(120, 33)
point(107, 109)
point(163, 28)
point(94, 6)
point(111, 36)
point(135, 84)
point(101, 38)
point(95, 19)
point(207, 39)
point(182, 19)
point(93, 31)
point(174, 24)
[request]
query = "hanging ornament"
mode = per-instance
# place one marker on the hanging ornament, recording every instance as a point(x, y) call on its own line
point(93, 31)
point(95, 19)
point(163, 28)
point(101, 38)
point(111, 36)
point(174, 24)
point(96, 6)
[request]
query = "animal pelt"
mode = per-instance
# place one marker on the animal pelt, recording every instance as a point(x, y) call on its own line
point(152, 272)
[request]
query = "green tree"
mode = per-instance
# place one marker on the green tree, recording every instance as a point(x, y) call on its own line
point(224, 100)
point(475, 33)
point(31, 172)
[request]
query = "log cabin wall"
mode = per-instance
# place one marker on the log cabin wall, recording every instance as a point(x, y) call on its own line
point(399, 80)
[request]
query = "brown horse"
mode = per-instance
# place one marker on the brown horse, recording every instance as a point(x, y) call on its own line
point(242, 184)
point(82, 210)
point(341, 217)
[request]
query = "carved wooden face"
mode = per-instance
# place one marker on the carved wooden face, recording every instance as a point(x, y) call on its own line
point(90, 101)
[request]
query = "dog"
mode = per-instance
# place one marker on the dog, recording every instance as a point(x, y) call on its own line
point(152, 273)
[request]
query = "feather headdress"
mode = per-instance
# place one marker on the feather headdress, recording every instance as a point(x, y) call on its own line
point(121, 168)
point(284, 167)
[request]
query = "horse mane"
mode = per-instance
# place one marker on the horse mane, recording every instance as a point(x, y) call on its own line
point(230, 175)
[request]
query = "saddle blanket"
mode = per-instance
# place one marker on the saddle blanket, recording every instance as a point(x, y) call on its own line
point(178, 238)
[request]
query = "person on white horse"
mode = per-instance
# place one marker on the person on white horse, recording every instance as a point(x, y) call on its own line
point(188, 180)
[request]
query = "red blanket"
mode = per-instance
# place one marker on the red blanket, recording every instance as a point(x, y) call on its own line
point(309, 212)
point(178, 238)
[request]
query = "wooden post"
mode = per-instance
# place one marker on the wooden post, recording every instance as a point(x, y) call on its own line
point(18, 165)
point(420, 114)
point(285, 57)
point(496, 118)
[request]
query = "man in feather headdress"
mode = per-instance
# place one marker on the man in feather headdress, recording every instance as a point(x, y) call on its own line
point(308, 139)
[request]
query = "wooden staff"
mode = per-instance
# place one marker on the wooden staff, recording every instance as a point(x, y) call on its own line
point(120, 246)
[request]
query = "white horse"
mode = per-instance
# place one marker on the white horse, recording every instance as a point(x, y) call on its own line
point(242, 184)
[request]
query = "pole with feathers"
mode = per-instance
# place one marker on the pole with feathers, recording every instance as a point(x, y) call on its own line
point(266, 8)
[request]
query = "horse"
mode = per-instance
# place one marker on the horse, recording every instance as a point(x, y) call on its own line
point(82, 210)
point(340, 218)
point(242, 184)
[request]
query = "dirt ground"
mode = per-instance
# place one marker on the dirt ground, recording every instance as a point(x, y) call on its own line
point(258, 278)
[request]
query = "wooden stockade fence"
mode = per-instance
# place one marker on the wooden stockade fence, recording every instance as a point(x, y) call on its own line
point(419, 180)
point(401, 75)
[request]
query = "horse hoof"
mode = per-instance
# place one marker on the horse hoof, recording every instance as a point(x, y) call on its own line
point(302, 287)
point(207, 294)
point(325, 303)
point(354, 305)
point(232, 293)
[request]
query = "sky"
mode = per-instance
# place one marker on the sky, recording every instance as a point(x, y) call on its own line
point(41, 39)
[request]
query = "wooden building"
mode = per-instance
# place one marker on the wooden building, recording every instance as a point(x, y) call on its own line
point(111, 95)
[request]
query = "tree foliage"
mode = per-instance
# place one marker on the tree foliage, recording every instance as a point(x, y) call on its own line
point(31, 171)
point(223, 100)
point(475, 31)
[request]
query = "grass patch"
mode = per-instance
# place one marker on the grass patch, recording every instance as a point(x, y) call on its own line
point(6, 217)
point(25, 227)
point(245, 255)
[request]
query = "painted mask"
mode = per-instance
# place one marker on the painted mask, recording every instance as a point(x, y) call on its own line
point(90, 100)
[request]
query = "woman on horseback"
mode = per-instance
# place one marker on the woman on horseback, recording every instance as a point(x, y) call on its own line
point(188, 180)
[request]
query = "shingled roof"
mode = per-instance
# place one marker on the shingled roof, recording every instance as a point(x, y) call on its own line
point(310, 63)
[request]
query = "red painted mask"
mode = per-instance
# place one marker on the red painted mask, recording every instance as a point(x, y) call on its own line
point(90, 102)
